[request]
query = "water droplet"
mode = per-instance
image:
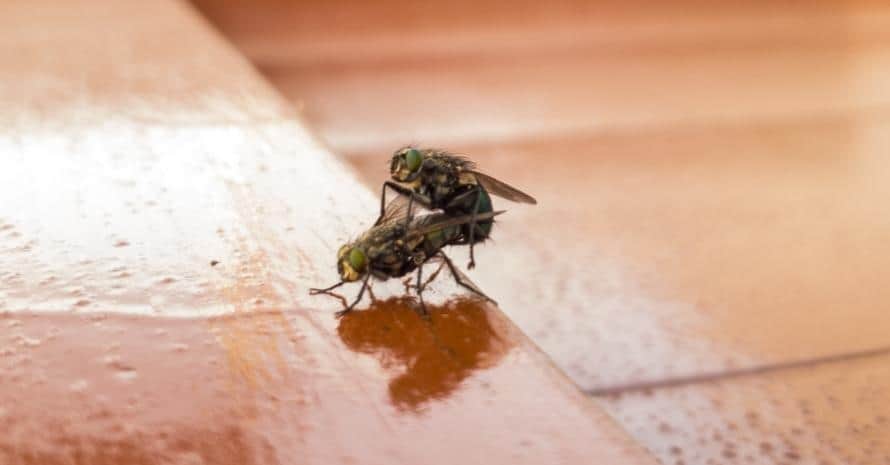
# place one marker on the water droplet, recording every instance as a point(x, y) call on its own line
point(126, 375)
point(28, 341)
point(179, 347)
point(80, 385)
point(114, 361)
point(123, 371)
point(157, 302)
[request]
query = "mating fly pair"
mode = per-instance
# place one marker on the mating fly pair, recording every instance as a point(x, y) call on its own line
point(400, 242)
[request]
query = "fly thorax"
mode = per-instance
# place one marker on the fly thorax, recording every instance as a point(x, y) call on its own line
point(445, 188)
point(415, 185)
point(466, 178)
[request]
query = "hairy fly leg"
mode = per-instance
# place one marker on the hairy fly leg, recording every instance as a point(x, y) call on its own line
point(358, 298)
point(463, 280)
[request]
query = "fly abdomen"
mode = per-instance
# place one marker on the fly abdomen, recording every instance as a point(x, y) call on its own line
point(465, 205)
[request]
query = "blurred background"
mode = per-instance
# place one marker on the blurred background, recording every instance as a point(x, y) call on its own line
point(708, 257)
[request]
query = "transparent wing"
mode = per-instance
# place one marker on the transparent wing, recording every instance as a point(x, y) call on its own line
point(502, 189)
point(435, 222)
point(397, 210)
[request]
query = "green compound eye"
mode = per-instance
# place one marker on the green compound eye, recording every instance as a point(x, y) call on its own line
point(413, 159)
point(357, 259)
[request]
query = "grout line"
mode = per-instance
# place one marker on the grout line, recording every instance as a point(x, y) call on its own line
point(739, 373)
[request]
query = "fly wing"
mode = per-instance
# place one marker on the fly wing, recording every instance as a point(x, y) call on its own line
point(502, 189)
point(397, 210)
point(436, 222)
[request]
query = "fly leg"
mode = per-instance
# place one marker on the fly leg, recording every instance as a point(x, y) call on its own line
point(433, 276)
point(382, 204)
point(407, 281)
point(327, 290)
point(413, 197)
point(408, 213)
point(401, 190)
point(463, 280)
point(424, 313)
point(358, 298)
point(472, 263)
point(473, 224)
point(371, 294)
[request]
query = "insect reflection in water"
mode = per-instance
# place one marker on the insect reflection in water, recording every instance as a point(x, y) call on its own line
point(430, 357)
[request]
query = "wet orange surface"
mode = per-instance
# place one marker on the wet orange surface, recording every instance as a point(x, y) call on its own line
point(163, 218)
point(435, 355)
point(711, 182)
point(269, 387)
point(822, 414)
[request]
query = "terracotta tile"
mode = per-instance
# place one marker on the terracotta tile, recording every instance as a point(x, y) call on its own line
point(160, 227)
point(88, 66)
point(472, 72)
point(710, 181)
point(310, 33)
point(676, 253)
point(835, 413)
point(455, 101)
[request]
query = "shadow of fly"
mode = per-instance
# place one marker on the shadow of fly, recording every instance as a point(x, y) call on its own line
point(398, 245)
point(439, 180)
